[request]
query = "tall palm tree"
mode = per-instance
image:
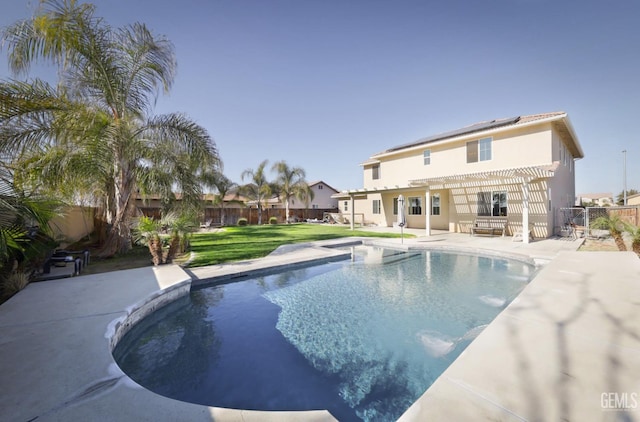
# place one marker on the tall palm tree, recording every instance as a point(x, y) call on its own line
point(306, 195)
point(258, 188)
point(290, 182)
point(223, 187)
point(94, 129)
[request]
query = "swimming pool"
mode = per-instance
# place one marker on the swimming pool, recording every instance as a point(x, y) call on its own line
point(362, 338)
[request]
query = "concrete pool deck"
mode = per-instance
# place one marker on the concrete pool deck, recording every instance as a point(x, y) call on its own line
point(567, 348)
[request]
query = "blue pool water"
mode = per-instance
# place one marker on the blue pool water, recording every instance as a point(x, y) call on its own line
point(361, 338)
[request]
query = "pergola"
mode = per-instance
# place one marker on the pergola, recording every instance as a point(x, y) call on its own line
point(520, 175)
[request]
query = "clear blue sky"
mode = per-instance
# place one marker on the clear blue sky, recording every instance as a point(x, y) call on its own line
point(325, 84)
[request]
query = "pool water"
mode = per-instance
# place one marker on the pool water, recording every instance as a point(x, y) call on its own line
point(362, 338)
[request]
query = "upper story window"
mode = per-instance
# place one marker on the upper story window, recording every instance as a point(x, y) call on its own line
point(427, 157)
point(375, 171)
point(479, 150)
point(319, 186)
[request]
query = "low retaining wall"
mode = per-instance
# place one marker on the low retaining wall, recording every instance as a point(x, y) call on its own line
point(137, 312)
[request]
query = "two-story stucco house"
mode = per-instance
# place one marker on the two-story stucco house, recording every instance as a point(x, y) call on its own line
point(521, 168)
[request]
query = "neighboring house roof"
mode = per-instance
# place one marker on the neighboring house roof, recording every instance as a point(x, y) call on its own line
point(207, 197)
point(560, 118)
point(317, 182)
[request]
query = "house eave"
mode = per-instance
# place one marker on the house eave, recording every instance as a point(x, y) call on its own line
point(484, 133)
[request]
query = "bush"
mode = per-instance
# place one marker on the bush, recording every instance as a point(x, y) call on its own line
point(273, 220)
point(242, 222)
point(13, 283)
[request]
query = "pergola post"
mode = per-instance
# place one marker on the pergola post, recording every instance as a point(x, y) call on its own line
point(525, 211)
point(353, 212)
point(427, 212)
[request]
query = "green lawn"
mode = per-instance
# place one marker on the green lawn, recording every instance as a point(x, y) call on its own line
point(238, 243)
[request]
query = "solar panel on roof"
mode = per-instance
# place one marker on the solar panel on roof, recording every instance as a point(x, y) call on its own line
point(462, 131)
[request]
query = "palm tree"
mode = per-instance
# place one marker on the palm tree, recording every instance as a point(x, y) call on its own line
point(258, 189)
point(634, 231)
point(306, 195)
point(290, 182)
point(24, 228)
point(94, 129)
point(147, 232)
point(223, 186)
point(615, 225)
point(180, 227)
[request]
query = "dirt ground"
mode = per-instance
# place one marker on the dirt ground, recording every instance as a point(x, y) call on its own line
point(603, 244)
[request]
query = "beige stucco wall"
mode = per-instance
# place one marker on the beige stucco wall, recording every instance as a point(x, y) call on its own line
point(459, 208)
point(75, 223)
point(633, 200)
point(321, 198)
point(528, 146)
point(562, 184)
point(538, 145)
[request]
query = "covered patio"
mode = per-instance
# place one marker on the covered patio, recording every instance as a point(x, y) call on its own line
point(524, 190)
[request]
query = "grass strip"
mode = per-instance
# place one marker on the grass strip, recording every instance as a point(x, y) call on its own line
point(249, 242)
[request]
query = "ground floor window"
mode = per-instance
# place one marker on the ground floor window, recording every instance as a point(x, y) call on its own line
point(376, 206)
point(395, 206)
point(345, 206)
point(435, 204)
point(492, 204)
point(414, 205)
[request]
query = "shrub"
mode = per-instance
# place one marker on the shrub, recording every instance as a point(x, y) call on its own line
point(273, 220)
point(14, 283)
point(242, 222)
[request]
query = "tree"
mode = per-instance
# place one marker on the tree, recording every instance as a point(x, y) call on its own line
point(306, 195)
point(93, 131)
point(634, 231)
point(223, 186)
point(24, 219)
point(620, 197)
point(290, 182)
point(258, 189)
point(615, 225)
point(147, 232)
point(180, 227)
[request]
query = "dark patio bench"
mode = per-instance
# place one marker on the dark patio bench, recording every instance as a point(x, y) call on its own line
point(489, 225)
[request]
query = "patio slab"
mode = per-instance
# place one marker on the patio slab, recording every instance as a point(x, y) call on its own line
point(56, 364)
point(565, 349)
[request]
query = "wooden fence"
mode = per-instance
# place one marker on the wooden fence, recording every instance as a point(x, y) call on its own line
point(629, 214)
point(232, 215)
